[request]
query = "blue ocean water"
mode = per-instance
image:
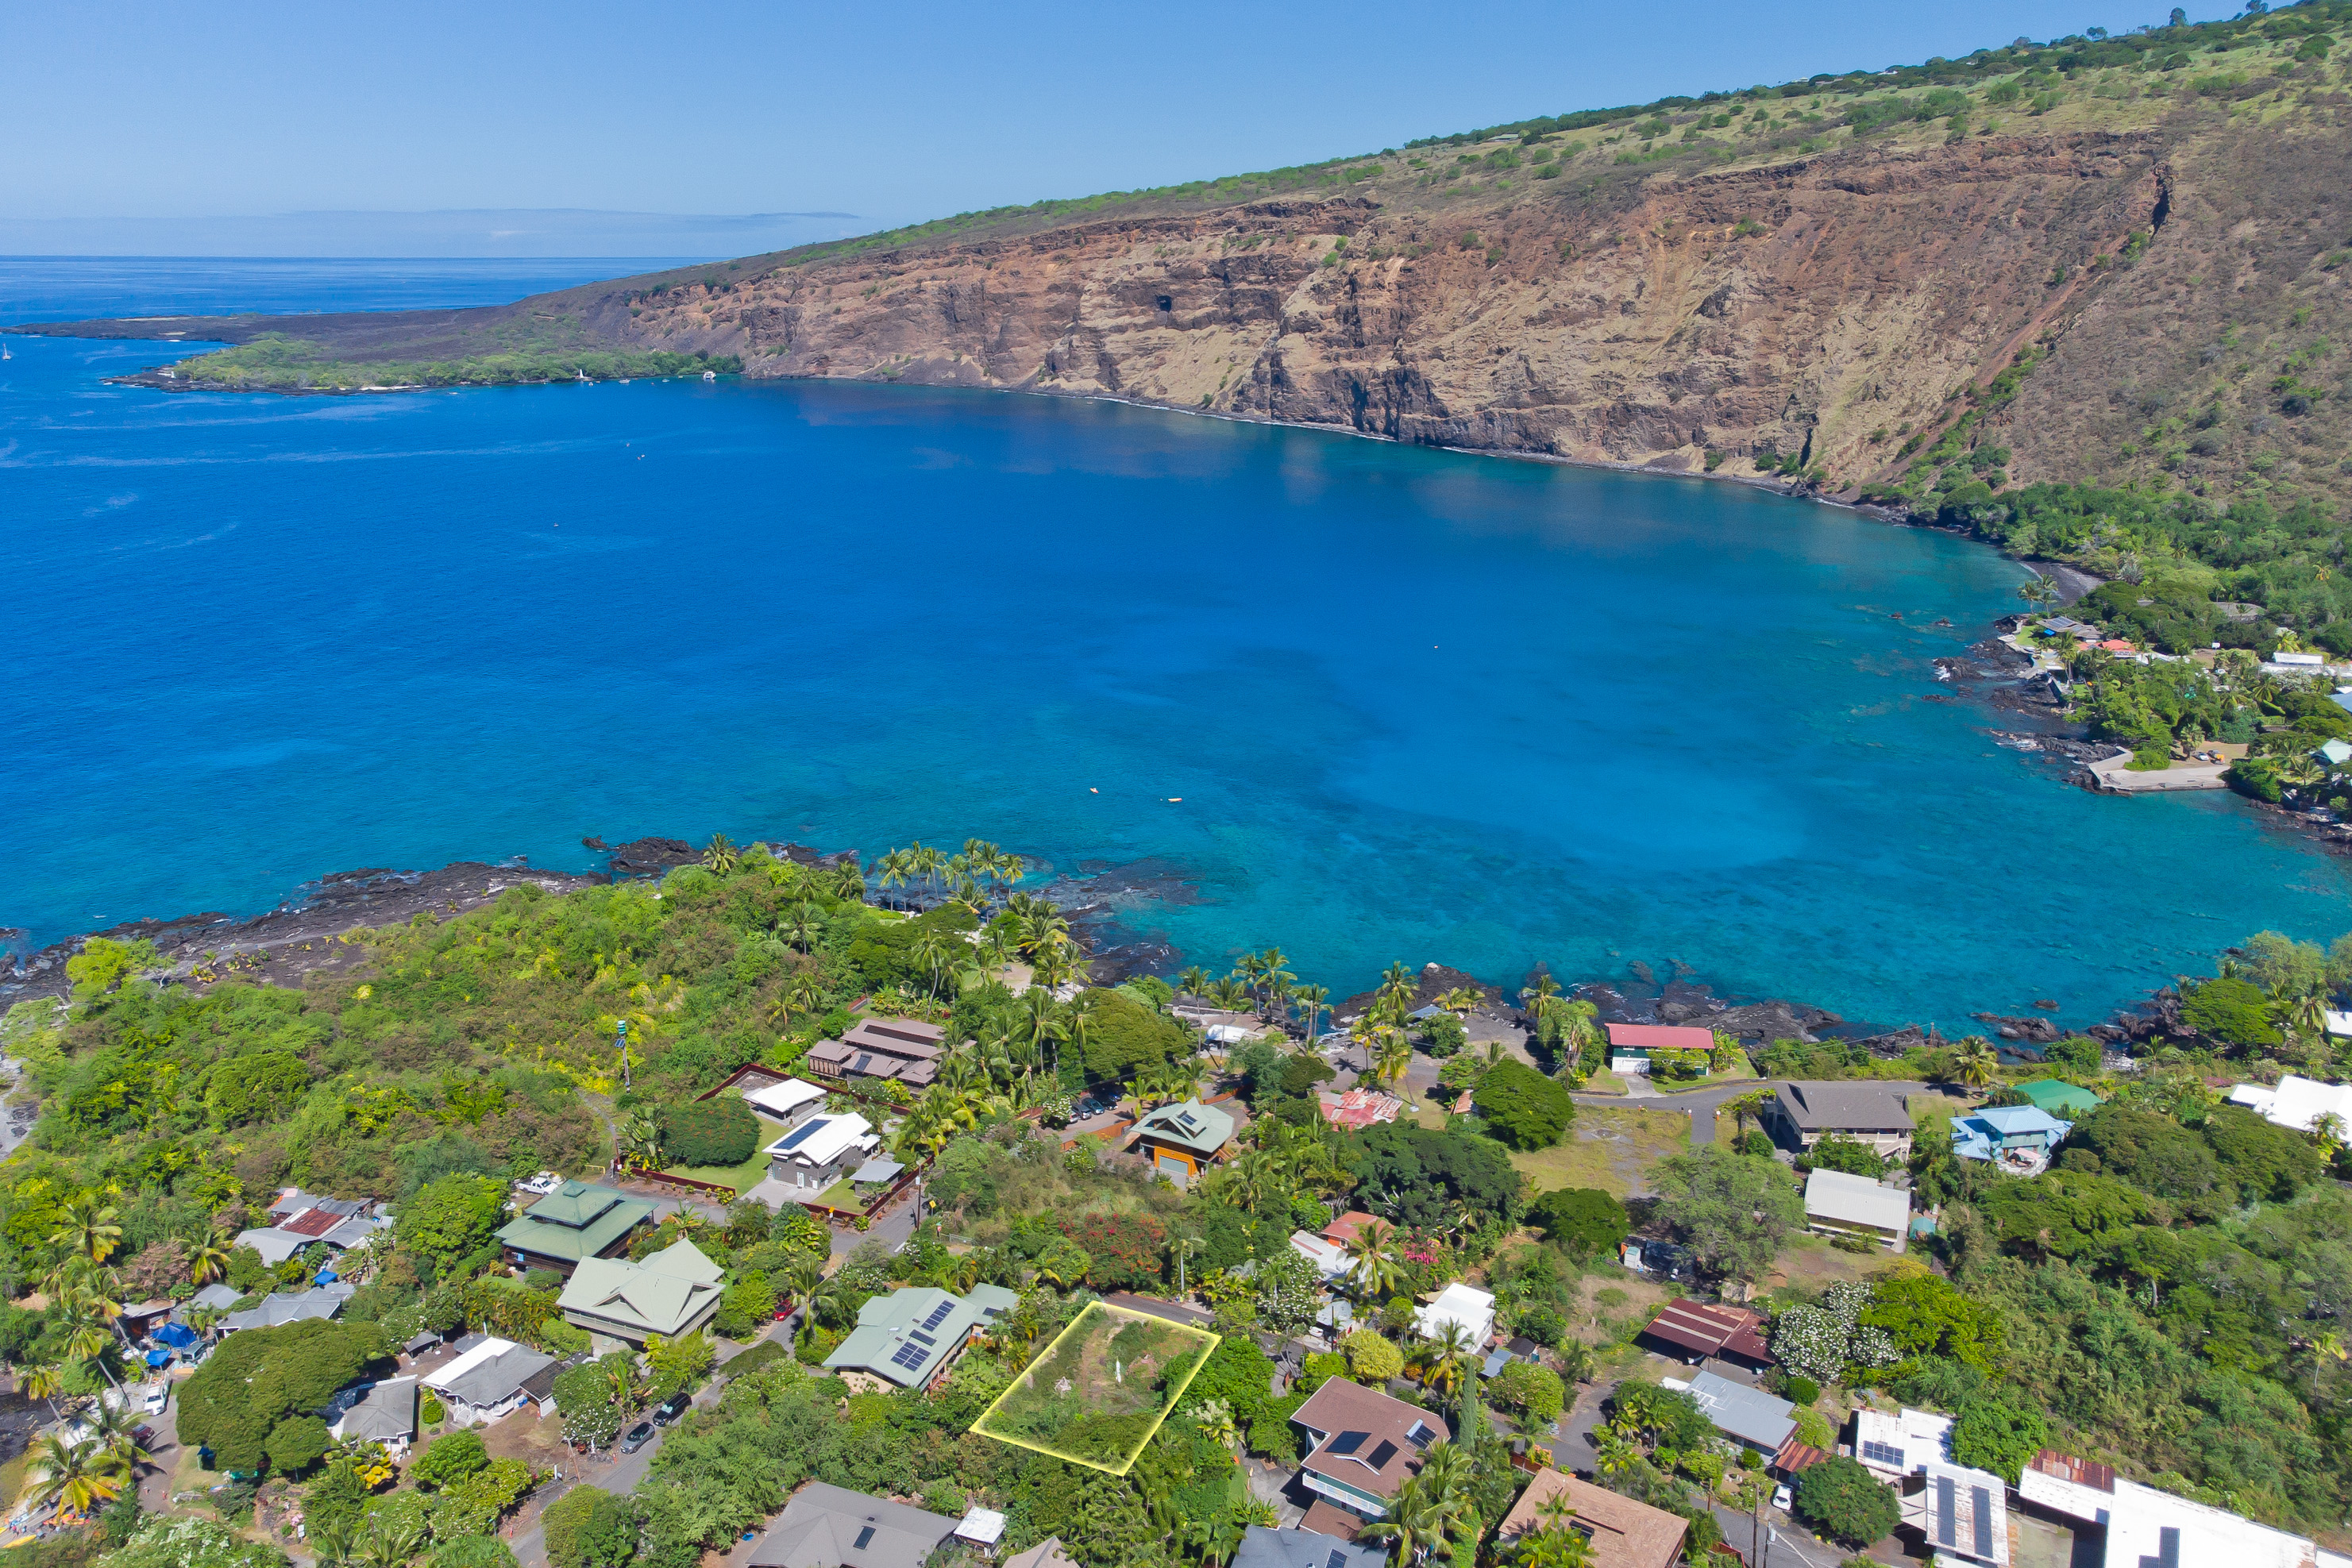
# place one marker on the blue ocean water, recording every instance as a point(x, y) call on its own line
point(1378, 702)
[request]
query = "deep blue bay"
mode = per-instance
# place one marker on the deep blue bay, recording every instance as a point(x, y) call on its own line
point(1409, 704)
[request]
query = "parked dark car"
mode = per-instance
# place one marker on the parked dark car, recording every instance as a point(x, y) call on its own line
point(671, 1408)
point(637, 1436)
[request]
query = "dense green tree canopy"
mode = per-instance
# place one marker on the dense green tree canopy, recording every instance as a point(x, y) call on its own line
point(1525, 1110)
point(1731, 1210)
point(260, 1378)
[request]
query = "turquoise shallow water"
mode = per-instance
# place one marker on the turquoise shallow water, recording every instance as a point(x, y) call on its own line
point(1415, 704)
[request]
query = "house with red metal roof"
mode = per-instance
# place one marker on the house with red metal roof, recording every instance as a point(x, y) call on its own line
point(1629, 1044)
point(1694, 1332)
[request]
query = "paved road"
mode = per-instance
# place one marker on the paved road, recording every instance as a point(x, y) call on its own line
point(1787, 1545)
point(617, 1472)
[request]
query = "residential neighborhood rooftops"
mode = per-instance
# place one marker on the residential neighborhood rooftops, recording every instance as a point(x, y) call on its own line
point(2059, 1097)
point(1203, 1129)
point(1659, 1037)
point(904, 1337)
point(387, 1415)
point(487, 1372)
point(664, 1295)
point(319, 1301)
point(781, 1099)
point(1624, 1533)
point(1844, 1198)
point(1844, 1107)
point(1464, 1306)
point(1962, 1512)
point(1365, 1440)
point(1264, 1548)
point(2146, 1525)
point(821, 1140)
point(1349, 1226)
point(1357, 1108)
point(828, 1526)
point(1983, 1134)
point(2297, 1102)
point(1898, 1444)
point(578, 1219)
point(1748, 1413)
point(1707, 1330)
point(880, 1168)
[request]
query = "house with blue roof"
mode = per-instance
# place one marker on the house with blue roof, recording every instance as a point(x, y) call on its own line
point(2020, 1138)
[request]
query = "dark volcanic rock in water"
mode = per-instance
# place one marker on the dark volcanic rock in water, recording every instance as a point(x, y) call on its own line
point(1693, 1004)
point(298, 937)
point(650, 857)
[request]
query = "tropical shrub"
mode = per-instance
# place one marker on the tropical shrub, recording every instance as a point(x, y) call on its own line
point(1585, 1222)
point(1994, 1435)
point(1526, 1110)
point(720, 1131)
point(261, 1379)
point(1534, 1392)
point(1845, 1502)
point(446, 1222)
point(1372, 1356)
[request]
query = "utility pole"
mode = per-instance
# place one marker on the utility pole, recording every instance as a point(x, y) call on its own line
point(621, 1038)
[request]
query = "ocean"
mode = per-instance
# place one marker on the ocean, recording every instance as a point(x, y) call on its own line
point(1364, 702)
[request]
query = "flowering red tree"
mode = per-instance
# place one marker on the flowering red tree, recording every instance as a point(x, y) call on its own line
point(1127, 1250)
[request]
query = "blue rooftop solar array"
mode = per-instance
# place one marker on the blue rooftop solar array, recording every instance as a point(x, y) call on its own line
point(802, 1132)
point(939, 1314)
point(910, 1356)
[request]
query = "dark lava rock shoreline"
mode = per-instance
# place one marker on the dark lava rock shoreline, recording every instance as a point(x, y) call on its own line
point(1104, 902)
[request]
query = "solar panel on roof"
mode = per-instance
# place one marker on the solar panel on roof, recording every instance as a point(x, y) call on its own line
point(865, 1064)
point(1882, 1453)
point(1420, 1435)
point(1382, 1455)
point(865, 1538)
point(1982, 1501)
point(1348, 1442)
point(1337, 1560)
point(939, 1314)
point(919, 1334)
point(794, 1142)
point(1947, 1529)
point(910, 1356)
point(1186, 1122)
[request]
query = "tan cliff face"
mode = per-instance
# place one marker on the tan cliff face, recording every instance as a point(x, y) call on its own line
point(1824, 305)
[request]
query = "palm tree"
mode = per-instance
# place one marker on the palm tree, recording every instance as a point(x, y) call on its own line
point(1579, 1031)
point(77, 1477)
point(1395, 1057)
point(335, 1539)
point(894, 868)
point(720, 855)
point(1415, 1529)
point(1460, 1000)
point(114, 1430)
point(1398, 982)
point(1215, 1417)
point(1446, 1356)
point(1975, 1063)
point(934, 950)
point(207, 1260)
point(1559, 1545)
point(800, 925)
point(390, 1545)
point(89, 1229)
point(849, 881)
point(1375, 1271)
point(1537, 994)
point(1311, 998)
point(1192, 980)
point(44, 1383)
point(806, 1276)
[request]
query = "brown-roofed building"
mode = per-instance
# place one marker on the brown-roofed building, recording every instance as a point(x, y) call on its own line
point(1347, 1226)
point(1695, 1330)
point(1803, 1114)
point(1624, 1533)
point(908, 1050)
point(1361, 1445)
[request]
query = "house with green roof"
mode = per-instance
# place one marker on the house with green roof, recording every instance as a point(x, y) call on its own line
point(909, 1338)
point(576, 1221)
point(1180, 1140)
point(2058, 1097)
point(674, 1292)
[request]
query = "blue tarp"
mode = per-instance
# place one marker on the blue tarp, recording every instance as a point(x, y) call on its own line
point(176, 1335)
point(159, 1357)
point(324, 1277)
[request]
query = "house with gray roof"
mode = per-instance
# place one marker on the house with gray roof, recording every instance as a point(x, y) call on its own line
point(827, 1526)
point(577, 1220)
point(1799, 1115)
point(674, 1292)
point(1265, 1548)
point(1181, 1141)
point(909, 1338)
point(1746, 1415)
point(487, 1379)
point(1838, 1203)
point(294, 1307)
point(387, 1413)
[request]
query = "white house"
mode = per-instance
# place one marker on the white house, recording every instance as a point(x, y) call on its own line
point(1331, 1259)
point(2144, 1525)
point(1897, 1446)
point(1473, 1310)
point(1840, 1203)
point(822, 1150)
point(1964, 1514)
point(790, 1101)
point(2296, 1102)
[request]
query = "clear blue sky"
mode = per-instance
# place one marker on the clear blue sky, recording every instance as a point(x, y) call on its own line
point(889, 111)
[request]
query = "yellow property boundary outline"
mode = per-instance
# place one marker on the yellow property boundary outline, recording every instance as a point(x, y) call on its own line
point(1084, 1323)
